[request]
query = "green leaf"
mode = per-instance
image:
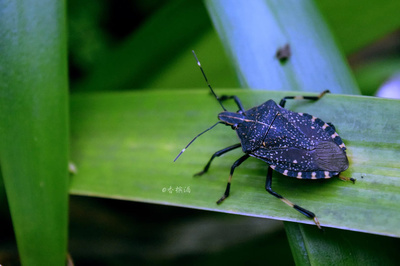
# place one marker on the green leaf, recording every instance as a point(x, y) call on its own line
point(310, 247)
point(34, 126)
point(124, 145)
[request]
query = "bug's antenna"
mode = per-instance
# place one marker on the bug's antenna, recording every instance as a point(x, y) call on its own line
point(208, 83)
point(219, 122)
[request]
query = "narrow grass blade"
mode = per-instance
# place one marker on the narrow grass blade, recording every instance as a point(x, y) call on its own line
point(34, 126)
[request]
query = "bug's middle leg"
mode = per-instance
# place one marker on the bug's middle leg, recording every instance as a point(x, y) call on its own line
point(217, 154)
point(283, 101)
point(228, 186)
point(303, 211)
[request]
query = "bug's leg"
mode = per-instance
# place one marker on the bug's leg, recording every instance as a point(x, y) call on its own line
point(217, 154)
point(283, 101)
point(228, 186)
point(303, 211)
point(235, 98)
point(345, 178)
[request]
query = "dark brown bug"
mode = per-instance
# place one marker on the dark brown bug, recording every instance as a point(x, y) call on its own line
point(294, 144)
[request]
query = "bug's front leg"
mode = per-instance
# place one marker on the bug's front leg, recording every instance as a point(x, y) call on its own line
point(235, 98)
point(303, 211)
point(217, 154)
point(228, 186)
point(283, 101)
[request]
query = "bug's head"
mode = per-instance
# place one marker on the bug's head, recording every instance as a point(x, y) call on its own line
point(231, 119)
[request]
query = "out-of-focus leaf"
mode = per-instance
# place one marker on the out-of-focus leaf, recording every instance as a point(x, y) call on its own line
point(253, 31)
point(357, 24)
point(179, 73)
point(345, 248)
point(34, 126)
point(373, 75)
point(164, 36)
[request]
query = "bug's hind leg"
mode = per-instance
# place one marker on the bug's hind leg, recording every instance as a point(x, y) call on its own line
point(217, 154)
point(228, 186)
point(283, 101)
point(303, 211)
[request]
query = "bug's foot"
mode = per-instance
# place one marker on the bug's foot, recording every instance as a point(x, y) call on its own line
point(323, 93)
point(199, 173)
point(345, 178)
point(317, 222)
point(222, 199)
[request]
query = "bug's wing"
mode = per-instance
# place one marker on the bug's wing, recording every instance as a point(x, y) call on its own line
point(329, 156)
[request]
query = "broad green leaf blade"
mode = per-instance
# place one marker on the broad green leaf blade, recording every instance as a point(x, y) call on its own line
point(253, 31)
point(34, 126)
point(124, 145)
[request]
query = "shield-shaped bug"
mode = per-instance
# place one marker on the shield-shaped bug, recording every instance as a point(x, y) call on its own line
point(294, 144)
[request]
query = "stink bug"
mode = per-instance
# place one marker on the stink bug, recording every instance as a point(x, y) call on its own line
point(294, 144)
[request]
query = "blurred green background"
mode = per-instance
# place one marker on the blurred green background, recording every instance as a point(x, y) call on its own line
point(108, 41)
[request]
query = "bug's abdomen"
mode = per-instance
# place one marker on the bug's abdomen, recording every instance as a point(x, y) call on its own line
point(322, 161)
